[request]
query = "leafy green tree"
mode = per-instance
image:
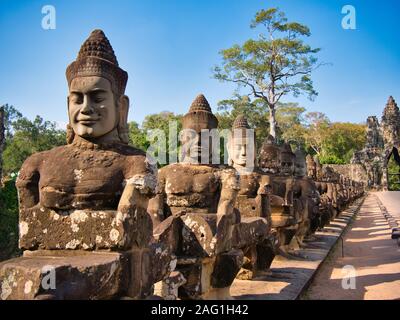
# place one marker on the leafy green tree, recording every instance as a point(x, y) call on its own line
point(316, 124)
point(276, 64)
point(9, 219)
point(28, 137)
point(255, 112)
point(289, 115)
point(11, 116)
point(343, 139)
point(137, 136)
point(394, 174)
point(156, 129)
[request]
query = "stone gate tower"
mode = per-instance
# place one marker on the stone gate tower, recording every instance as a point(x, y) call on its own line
point(391, 137)
point(383, 142)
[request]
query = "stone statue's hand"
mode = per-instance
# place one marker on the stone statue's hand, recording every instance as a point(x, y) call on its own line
point(138, 190)
point(144, 183)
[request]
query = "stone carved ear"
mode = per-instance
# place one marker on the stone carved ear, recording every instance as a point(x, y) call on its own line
point(123, 128)
point(70, 134)
point(229, 148)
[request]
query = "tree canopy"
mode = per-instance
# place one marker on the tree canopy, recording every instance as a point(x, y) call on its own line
point(276, 64)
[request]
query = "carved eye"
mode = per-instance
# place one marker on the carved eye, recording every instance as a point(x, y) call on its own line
point(76, 98)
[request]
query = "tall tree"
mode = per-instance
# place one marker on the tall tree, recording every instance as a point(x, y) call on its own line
point(289, 116)
point(276, 64)
point(317, 124)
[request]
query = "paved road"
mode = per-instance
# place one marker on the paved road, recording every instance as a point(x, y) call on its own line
point(368, 247)
point(391, 200)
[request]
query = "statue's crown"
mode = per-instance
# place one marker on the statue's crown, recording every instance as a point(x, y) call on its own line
point(199, 116)
point(300, 155)
point(240, 123)
point(96, 58)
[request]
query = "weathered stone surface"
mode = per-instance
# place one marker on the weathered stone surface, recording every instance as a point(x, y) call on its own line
point(90, 194)
point(43, 228)
point(163, 261)
point(140, 283)
point(201, 197)
point(78, 275)
point(168, 289)
point(227, 265)
point(250, 231)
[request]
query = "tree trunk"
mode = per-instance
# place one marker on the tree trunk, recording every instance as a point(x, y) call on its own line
point(272, 121)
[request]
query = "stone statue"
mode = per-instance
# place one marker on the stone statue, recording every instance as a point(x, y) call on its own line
point(280, 168)
point(311, 167)
point(92, 193)
point(253, 235)
point(306, 191)
point(194, 210)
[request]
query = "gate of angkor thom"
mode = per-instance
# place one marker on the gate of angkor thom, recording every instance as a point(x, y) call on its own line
point(380, 159)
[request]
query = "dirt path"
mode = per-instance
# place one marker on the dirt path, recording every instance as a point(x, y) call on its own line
point(368, 247)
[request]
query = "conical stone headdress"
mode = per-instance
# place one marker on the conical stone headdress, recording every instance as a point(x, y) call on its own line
point(96, 58)
point(199, 116)
point(240, 123)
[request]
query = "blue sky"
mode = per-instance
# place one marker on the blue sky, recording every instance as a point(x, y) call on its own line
point(169, 47)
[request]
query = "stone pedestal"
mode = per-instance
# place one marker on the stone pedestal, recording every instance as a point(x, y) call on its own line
point(63, 275)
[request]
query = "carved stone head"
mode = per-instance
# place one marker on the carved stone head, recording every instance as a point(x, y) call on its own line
point(241, 144)
point(97, 106)
point(300, 167)
point(197, 132)
point(287, 158)
point(269, 156)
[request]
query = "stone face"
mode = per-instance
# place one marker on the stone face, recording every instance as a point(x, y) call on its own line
point(78, 275)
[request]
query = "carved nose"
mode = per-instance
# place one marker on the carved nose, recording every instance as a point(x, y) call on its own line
point(87, 108)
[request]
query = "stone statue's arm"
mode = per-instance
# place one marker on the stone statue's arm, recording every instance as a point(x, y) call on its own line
point(263, 193)
point(289, 192)
point(155, 207)
point(229, 189)
point(28, 182)
point(137, 191)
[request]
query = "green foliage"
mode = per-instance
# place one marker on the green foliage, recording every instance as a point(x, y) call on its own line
point(11, 115)
point(9, 219)
point(330, 159)
point(27, 138)
point(137, 136)
point(334, 142)
point(343, 139)
point(23, 138)
point(276, 64)
point(394, 174)
point(257, 114)
point(155, 131)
